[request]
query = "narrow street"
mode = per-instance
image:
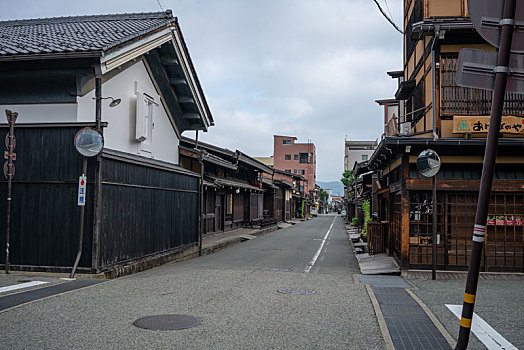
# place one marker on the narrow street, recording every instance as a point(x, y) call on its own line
point(234, 292)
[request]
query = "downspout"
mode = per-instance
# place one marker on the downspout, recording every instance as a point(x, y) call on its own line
point(433, 80)
point(97, 191)
point(201, 221)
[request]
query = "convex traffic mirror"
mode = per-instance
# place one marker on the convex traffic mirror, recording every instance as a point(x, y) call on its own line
point(428, 163)
point(89, 142)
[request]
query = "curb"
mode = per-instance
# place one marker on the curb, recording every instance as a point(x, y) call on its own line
point(206, 250)
point(451, 341)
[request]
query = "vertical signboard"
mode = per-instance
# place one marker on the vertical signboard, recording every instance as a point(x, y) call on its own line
point(82, 190)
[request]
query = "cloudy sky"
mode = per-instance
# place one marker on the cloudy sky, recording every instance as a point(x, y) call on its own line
point(305, 68)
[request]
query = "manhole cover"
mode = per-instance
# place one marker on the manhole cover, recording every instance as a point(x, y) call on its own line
point(271, 250)
point(167, 322)
point(278, 269)
point(296, 291)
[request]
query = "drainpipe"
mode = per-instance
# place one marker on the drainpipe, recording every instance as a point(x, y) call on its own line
point(201, 221)
point(97, 189)
point(433, 81)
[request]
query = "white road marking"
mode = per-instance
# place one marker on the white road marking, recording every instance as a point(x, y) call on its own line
point(21, 286)
point(315, 257)
point(486, 334)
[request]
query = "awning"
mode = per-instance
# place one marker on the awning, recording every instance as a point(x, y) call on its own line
point(232, 183)
point(284, 182)
point(210, 184)
point(269, 184)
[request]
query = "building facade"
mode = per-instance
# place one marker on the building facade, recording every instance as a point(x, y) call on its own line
point(357, 151)
point(438, 114)
point(295, 158)
point(140, 205)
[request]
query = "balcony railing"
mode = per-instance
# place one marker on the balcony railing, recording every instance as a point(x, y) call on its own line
point(456, 100)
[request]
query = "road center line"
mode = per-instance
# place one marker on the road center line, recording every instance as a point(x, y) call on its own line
point(21, 286)
point(315, 257)
point(486, 334)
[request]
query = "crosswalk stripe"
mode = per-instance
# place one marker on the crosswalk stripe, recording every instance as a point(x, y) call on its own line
point(21, 286)
point(486, 334)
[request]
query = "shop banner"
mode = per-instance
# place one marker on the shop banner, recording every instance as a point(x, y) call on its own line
point(480, 124)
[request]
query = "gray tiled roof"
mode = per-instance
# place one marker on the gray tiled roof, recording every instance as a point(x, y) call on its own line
point(77, 34)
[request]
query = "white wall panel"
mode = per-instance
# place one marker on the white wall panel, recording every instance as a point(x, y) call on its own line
point(120, 133)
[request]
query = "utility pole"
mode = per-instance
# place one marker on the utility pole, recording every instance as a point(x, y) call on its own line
point(501, 70)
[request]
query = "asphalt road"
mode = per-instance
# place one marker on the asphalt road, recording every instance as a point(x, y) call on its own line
point(499, 302)
point(238, 303)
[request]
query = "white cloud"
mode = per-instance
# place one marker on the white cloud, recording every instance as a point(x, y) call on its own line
point(309, 68)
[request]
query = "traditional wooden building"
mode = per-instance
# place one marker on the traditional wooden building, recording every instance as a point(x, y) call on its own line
point(235, 193)
point(59, 75)
point(438, 114)
point(290, 195)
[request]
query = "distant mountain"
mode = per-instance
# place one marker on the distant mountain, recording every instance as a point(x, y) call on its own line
point(336, 186)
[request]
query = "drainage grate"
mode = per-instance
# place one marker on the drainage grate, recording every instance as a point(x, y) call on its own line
point(296, 291)
point(167, 322)
point(278, 269)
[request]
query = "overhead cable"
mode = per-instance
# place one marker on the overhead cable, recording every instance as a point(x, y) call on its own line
point(387, 17)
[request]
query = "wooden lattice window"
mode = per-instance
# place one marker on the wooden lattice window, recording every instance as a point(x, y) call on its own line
point(459, 101)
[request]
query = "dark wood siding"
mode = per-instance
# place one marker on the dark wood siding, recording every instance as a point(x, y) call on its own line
point(238, 208)
point(279, 204)
point(256, 208)
point(44, 214)
point(145, 211)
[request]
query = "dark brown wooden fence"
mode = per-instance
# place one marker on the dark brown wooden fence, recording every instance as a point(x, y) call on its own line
point(377, 237)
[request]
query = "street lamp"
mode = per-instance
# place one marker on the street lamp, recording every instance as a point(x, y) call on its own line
point(428, 165)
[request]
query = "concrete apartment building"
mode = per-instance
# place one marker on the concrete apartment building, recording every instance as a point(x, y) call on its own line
point(295, 158)
point(357, 151)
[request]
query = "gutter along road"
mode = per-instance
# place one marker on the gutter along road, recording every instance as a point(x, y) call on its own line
point(234, 292)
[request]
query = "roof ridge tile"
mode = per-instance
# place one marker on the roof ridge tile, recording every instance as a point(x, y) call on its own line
point(87, 18)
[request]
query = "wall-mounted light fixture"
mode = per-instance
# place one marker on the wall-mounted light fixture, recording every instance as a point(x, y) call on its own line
point(114, 101)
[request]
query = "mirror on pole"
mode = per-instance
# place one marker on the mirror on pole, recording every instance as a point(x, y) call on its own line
point(428, 163)
point(89, 142)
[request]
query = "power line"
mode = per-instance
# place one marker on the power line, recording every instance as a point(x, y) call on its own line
point(161, 8)
point(387, 7)
point(386, 16)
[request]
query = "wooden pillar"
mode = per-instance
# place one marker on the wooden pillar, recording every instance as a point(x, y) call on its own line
point(404, 234)
point(374, 196)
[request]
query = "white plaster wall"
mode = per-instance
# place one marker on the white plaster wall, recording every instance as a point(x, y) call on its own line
point(356, 156)
point(120, 133)
point(39, 113)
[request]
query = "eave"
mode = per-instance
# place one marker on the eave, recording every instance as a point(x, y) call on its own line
point(405, 89)
point(391, 147)
point(244, 158)
point(430, 25)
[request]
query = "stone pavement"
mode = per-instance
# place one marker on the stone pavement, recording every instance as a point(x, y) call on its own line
point(405, 324)
point(412, 309)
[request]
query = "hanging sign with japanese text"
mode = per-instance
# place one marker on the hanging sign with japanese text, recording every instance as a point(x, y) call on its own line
point(467, 124)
